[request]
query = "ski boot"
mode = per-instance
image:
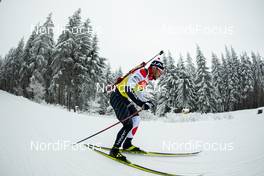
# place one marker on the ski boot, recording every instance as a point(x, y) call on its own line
point(133, 148)
point(127, 146)
point(114, 152)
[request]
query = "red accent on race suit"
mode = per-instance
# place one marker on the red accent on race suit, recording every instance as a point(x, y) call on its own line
point(134, 130)
point(143, 72)
point(143, 84)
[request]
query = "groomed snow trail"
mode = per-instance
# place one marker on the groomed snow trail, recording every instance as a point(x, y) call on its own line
point(24, 125)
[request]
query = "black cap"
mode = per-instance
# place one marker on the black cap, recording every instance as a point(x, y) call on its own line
point(157, 63)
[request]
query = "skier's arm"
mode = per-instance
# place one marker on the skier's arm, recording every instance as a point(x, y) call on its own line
point(131, 95)
point(144, 105)
point(132, 85)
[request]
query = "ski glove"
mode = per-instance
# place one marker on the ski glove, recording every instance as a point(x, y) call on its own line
point(147, 105)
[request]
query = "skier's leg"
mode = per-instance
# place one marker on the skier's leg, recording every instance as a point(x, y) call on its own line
point(119, 105)
point(132, 132)
point(136, 119)
point(123, 132)
point(121, 136)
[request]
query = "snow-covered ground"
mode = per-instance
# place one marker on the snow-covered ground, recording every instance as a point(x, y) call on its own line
point(35, 140)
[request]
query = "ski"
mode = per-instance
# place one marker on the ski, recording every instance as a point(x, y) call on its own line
point(130, 164)
point(150, 153)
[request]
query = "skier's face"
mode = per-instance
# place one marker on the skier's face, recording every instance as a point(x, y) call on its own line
point(156, 72)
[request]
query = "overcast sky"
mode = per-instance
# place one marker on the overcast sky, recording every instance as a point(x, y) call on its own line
point(130, 32)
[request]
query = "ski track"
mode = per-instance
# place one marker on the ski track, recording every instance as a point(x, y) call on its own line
point(23, 121)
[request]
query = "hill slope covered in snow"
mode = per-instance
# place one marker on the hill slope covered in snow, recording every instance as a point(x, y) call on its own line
point(35, 140)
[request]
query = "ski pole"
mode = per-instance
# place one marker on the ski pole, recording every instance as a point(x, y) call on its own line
point(128, 117)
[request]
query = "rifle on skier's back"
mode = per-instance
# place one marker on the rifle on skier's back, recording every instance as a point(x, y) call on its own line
point(143, 64)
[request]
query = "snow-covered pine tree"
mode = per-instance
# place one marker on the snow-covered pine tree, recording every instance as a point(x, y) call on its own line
point(1, 63)
point(153, 95)
point(162, 103)
point(95, 73)
point(96, 63)
point(217, 82)
point(225, 83)
point(172, 77)
point(191, 70)
point(246, 83)
point(81, 48)
point(103, 96)
point(84, 90)
point(258, 80)
point(65, 65)
point(234, 79)
point(167, 97)
point(27, 67)
point(10, 69)
point(6, 71)
point(42, 50)
point(185, 92)
point(17, 63)
point(84, 38)
point(229, 87)
point(48, 39)
point(262, 78)
point(36, 87)
point(1, 71)
point(205, 94)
